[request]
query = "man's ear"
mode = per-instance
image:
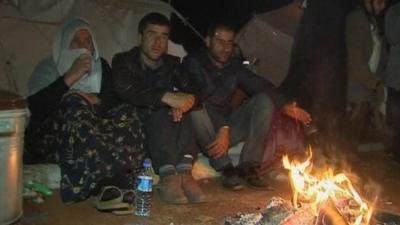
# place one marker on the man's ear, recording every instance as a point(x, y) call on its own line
point(208, 41)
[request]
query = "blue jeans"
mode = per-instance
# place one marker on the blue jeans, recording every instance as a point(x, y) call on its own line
point(249, 123)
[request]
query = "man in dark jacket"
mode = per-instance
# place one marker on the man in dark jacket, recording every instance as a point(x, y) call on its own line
point(149, 79)
point(217, 126)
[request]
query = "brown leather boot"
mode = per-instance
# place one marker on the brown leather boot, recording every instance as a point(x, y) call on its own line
point(170, 189)
point(191, 189)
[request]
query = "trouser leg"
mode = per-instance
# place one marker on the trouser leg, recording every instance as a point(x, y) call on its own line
point(205, 134)
point(169, 141)
point(393, 120)
point(251, 123)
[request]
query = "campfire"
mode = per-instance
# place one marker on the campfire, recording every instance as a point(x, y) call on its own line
point(320, 197)
point(326, 191)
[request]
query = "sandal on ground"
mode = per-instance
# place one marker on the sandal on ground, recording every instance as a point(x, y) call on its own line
point(110, 199)
point(126, 211)
point(128, 196)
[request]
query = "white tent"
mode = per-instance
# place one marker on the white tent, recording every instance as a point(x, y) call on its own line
point(266, 41)
point(28, 27)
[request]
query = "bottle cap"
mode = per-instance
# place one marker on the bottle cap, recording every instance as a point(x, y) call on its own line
point(147, 162)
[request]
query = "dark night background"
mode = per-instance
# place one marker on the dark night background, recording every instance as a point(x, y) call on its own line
point(237, 12)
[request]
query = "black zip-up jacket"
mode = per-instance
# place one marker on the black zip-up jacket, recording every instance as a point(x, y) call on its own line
point(218, 85)
point(145, 89)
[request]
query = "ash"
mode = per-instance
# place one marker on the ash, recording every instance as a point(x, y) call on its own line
point(277, 212)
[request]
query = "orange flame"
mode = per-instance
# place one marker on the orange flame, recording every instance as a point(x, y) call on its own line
point(328, 186)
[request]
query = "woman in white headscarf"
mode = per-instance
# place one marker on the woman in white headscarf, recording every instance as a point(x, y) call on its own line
point(77, 120)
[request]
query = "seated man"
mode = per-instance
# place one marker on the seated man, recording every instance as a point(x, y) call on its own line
point(148, 78)
point(217, 126)
point(75, 119)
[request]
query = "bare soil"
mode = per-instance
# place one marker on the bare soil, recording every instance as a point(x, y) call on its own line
point(372, 167)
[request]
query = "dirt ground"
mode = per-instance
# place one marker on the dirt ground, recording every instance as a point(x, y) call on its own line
point(373, 168)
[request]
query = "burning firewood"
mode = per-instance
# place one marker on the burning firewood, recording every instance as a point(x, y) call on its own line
point(329, 214)
point(281, 212)
point(325, 198)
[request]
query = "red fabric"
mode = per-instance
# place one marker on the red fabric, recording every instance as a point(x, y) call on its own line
point(286, 136)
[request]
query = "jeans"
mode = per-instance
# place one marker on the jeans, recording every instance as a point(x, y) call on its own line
point(249, 123)
point(168, 141)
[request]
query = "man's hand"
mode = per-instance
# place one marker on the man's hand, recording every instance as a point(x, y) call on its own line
point(81, 66)
point(179, 100)
point(176, 114)
point(297, 113)
point(220, 145)
point(92, 99)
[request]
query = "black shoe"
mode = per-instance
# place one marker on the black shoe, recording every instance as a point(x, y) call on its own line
point(231, 180)
point(256, 182)
point(250, 175)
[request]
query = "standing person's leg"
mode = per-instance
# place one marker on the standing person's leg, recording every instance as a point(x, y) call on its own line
point(393, 121)
point(162, 135)
point(205, 134)
point(357, 123)
point(251, 123)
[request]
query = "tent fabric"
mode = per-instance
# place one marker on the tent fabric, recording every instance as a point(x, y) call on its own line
point(27, 29)
point(266, 41)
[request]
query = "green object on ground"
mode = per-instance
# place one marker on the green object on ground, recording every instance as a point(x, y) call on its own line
point(40, 188)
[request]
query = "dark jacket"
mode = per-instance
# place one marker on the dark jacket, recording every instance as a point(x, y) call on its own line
point(46, 101)
point(142, 88)
point(218, 85)
point(392, 28)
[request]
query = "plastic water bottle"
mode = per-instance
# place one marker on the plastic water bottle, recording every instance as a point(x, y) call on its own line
point(144, 190)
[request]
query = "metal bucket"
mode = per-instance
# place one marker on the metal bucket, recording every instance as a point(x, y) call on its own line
point(13, 115)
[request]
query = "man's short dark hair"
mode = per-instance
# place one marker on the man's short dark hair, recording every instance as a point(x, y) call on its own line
point(153, 19)
point(219, 26)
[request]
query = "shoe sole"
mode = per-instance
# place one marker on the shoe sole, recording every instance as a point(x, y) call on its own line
point(198, 201)
point(235, 188)
point(195, 200)
point(113, 207)
point(181, 202)
point(128, 211)
point(268, 188)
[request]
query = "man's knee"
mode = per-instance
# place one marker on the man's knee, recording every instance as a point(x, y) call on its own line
point(198, 116)
point(263, 101)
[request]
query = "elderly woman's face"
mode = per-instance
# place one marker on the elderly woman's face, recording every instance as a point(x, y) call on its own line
point(82, 39)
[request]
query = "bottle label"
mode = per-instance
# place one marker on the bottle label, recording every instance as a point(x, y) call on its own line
point(145, 183)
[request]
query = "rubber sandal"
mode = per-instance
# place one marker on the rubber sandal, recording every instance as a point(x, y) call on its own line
point(121, 212)
point(128, 196)
point(108, 202)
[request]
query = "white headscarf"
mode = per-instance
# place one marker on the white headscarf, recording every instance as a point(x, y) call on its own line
point(64, 57)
